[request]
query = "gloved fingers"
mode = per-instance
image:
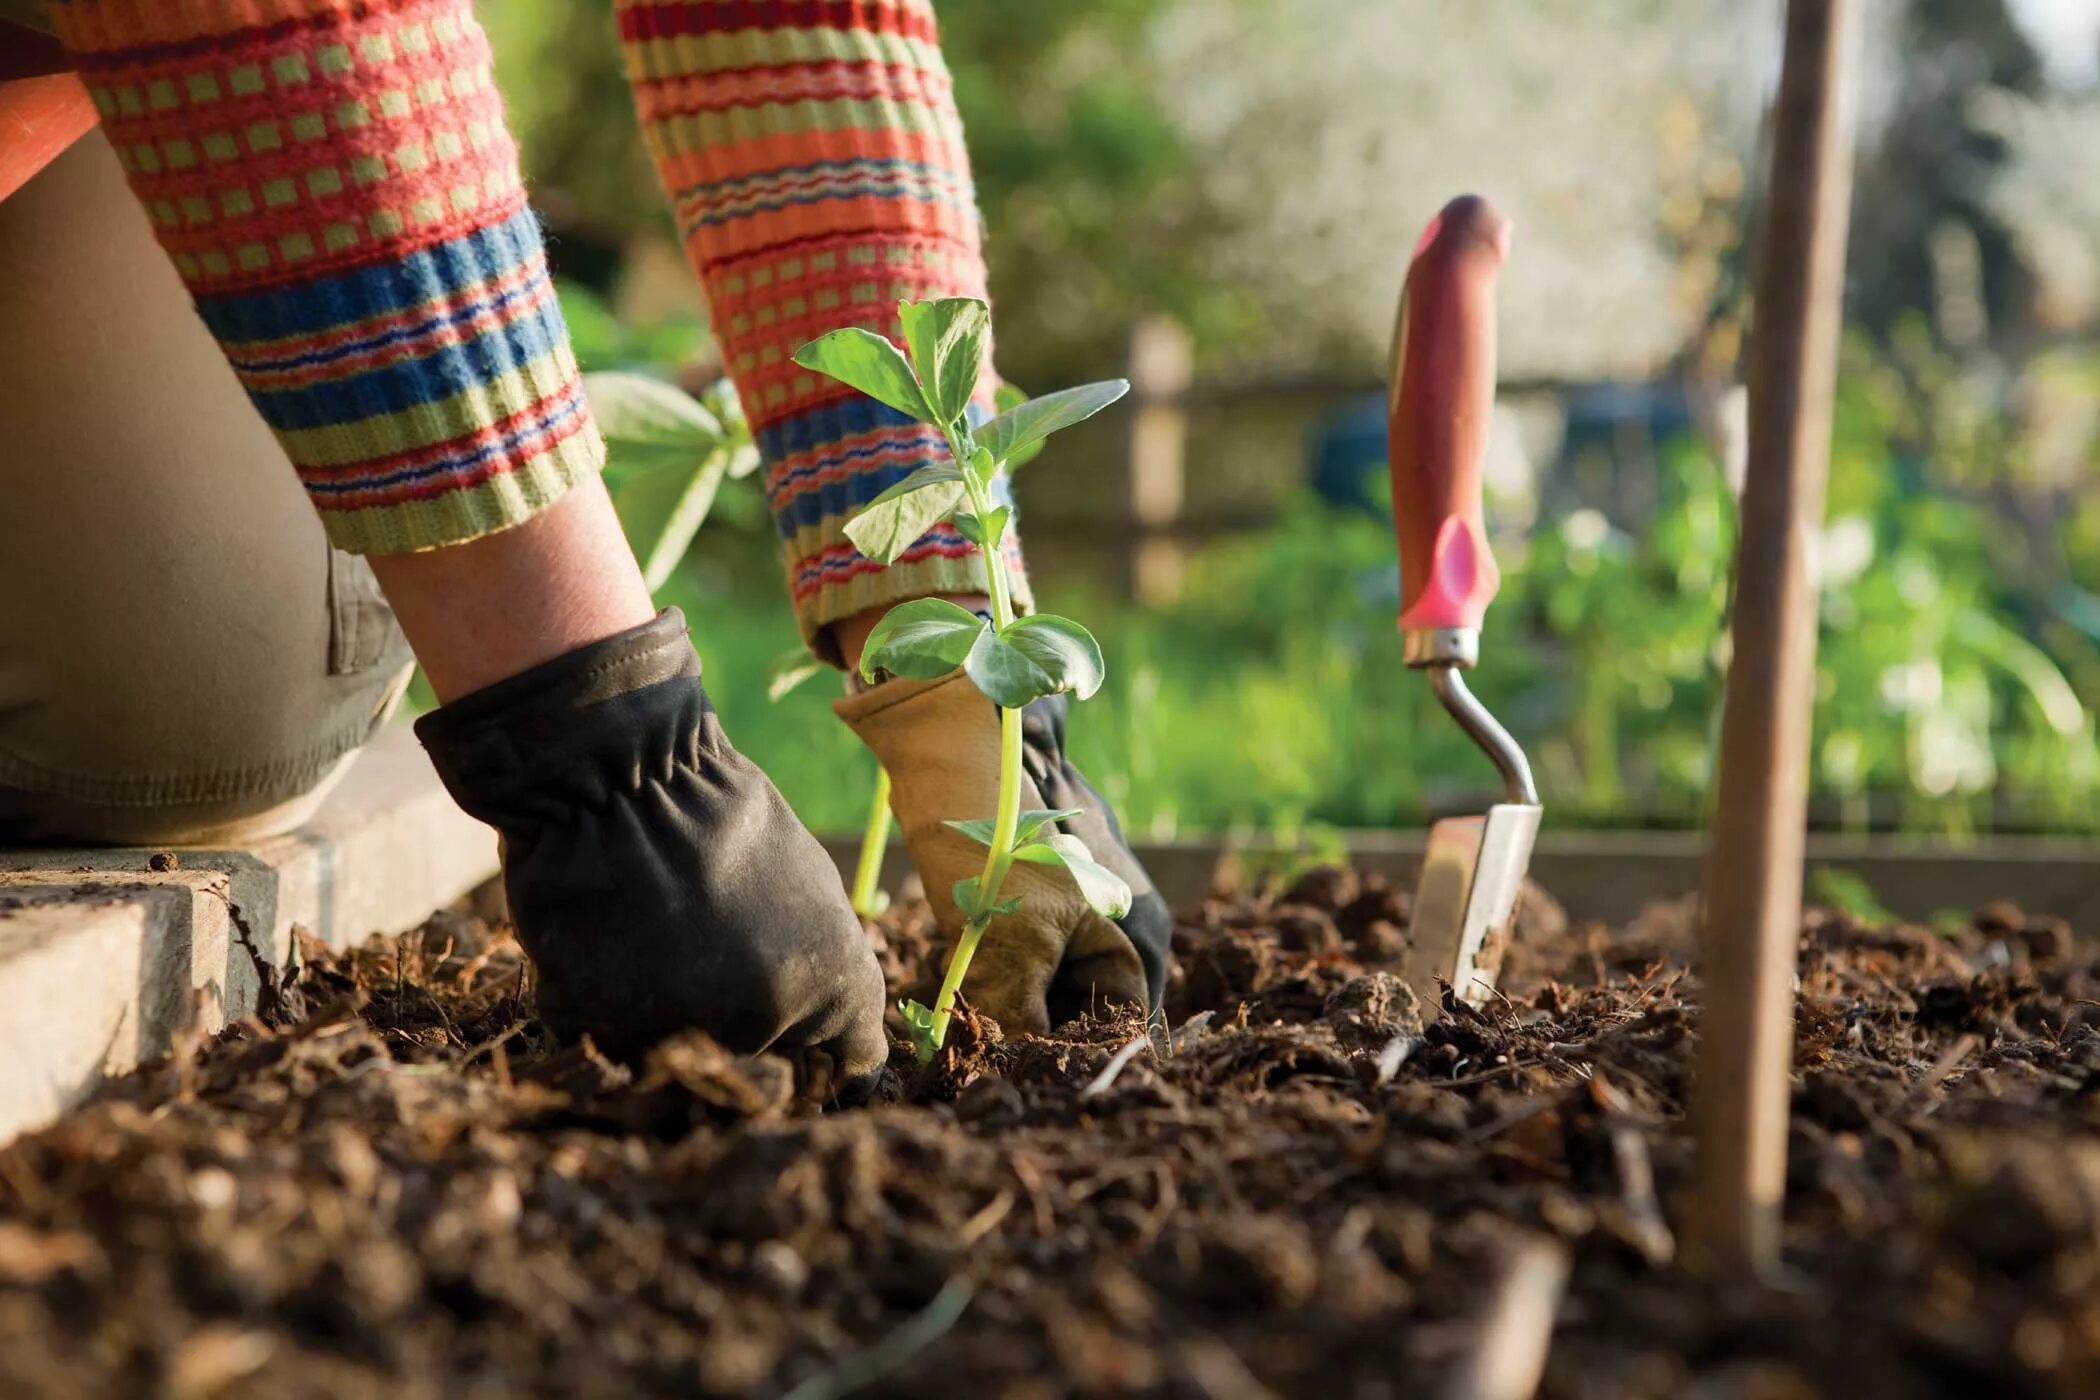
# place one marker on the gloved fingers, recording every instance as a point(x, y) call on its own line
point(1009, 979)
point(1100, 970)
point(844, 1072)
point(841, 1049)
point(1149, 928)
point(863, 1048)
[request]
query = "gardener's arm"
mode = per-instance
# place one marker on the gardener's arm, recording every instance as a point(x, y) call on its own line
point(815, 164)
point(337, 188)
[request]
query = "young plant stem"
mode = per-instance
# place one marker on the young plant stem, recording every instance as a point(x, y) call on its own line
point(867, 876)
point(997, 862)
point(1000, 858)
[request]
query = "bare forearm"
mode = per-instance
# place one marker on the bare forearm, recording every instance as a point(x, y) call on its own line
point(483, 611)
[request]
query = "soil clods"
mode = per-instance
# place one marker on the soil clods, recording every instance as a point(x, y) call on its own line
point(1300, 1184)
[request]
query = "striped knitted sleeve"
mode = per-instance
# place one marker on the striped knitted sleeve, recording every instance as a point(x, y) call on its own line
point(336, 185)
point(815, 165)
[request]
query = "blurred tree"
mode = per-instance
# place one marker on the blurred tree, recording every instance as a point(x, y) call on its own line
point(1330, 131)
point(1931, 172)
point(1093, 207)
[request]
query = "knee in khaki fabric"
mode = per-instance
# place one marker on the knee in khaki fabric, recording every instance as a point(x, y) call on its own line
point(182, 657)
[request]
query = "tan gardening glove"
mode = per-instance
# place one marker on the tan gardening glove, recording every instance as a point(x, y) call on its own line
point(1055, 957)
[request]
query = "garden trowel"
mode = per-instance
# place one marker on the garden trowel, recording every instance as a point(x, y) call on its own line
point(1443, 393)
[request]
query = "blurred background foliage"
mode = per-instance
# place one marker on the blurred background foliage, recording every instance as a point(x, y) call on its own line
point(1257, 173)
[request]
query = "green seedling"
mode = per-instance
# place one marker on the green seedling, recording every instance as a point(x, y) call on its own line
point(789, 670)
point(668, 454)
point(869, 898)
point(1013, 660)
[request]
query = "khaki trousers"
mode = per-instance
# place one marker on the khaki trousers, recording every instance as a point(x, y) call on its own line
point(183, 659)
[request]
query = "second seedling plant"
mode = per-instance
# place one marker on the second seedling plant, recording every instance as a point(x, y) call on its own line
point(1013, 660)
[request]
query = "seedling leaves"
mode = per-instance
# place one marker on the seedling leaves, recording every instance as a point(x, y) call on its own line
point(637, 413)
point(971, 902)
point(720, 399)
point(983, 532)
point(922, 639)
point(1008, 397)
point(980, 829)
point(894, 520)
point(982, 465)
point(687, 514)
point(867, 362)
point(1021, 429)
point(1036, 656)
point(743, 460)
point(947, 348)
point(918, 1024)
point(788, 670)
point(1102, 888)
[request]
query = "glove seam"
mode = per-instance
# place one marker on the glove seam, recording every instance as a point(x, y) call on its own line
point(915, 689)
point(487, 707)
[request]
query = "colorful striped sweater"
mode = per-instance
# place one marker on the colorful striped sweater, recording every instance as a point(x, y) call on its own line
point(814, 161)
point(337, 187)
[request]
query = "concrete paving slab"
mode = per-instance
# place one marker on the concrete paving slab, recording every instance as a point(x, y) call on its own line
point(106, 953)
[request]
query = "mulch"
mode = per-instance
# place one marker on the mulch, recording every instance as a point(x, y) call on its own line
point(391, 1183)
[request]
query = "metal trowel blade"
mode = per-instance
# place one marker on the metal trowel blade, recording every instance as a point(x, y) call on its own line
point(1466, 901)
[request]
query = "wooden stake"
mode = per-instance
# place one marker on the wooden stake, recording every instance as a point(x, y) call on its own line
point(1753, 892)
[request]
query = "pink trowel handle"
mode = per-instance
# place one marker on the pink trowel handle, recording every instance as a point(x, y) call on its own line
point(1443, 391)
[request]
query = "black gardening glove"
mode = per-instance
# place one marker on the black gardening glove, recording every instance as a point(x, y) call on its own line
point(1148, 925)
point(656, 877)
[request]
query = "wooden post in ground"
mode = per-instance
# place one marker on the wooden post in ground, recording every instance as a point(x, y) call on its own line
point(1161, 369)
point(1753, 890)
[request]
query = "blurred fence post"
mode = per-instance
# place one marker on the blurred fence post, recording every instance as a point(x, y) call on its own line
point(1161, 368)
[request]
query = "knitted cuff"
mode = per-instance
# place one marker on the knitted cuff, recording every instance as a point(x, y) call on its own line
point(815, 166)
point(337, 187)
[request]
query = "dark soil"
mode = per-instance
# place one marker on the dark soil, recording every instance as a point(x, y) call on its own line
point(394, 1186)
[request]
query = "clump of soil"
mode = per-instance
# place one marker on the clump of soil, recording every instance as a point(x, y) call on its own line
point(394, 1184)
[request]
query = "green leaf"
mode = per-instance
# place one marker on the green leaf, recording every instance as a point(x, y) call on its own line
point(636, 411)
point(982, 466)
point(743, 460)
point(947, 348)
point(980, 829)
point(2053, 695)
point(683, 522)
point(894, 520)
point(1036, 656)
point(972, 907)
point(1006, 398)
point(866, 361)
point(790, 669)
point(1101, 887)
point(720, 399)
point(922, 639)
point(984, 532)
point(1020, 429)
point(918, 1024)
